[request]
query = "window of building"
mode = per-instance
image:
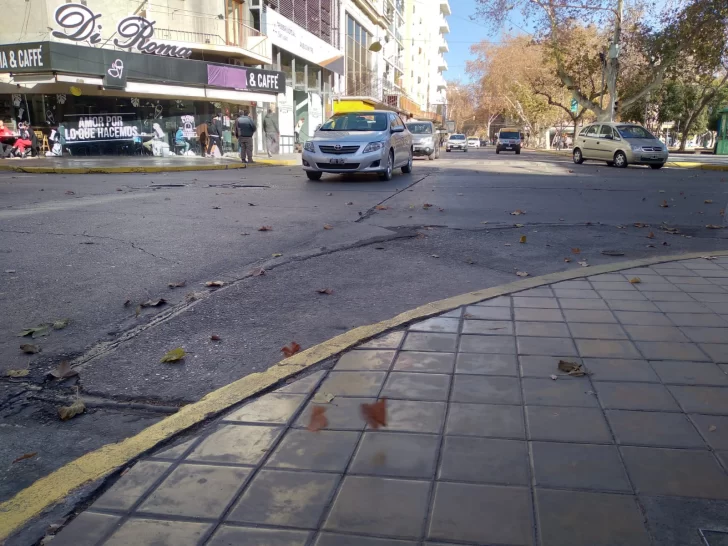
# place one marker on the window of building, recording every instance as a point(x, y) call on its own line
point(359, 73)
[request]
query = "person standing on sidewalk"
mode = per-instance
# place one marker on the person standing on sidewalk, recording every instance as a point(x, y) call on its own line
point(272, 133)
point(214, 135)
point(245, 129)
point(299, 128)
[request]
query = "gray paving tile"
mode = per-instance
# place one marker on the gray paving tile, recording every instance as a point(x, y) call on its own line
point(643, 319)
point(341, 413)
point(675, 472)
point(326, 450)
point(717, 351)
point(353, 383)
point(564, 392)
point(274, 408)
point(131, 486)
point(682, 307)
point(578, 466)
point(714, 429)
point(607, 348)
point(676, 272)
point(707, 320)
point(419, 341)
point(365, 360)
point(720, 308)
point(288, 499)
point(488, 344)
point(455, 313)
point(228, 535)
point(577, 316)
point(702, 288)
point(702, 399)
point(304, 385)
point(176, 451)
point(158, 533)
point(395, 508)
point(712, 298)
point(572, 303)
point(607, 369)
point(535, 303)
point(630, 305)
point(386, 341)
point(484, 460)
point(687, 280)
point(546, 346)
point(486, 364)
point(239, 444)
point(196, 491)
point(396, 454)
point(576, 294)
point(690, 373)
point(333, 539)
point(657, 287)
point(621, 295)
point(540, 292)
point(619, 286)
point(482, 514)
point(437, 324)
point(538, 315)
point(542, 329)
point(649, 428)
point(597, 331)
point(667, 296)
point(553, 423)
point(616, 277)
point(417, 386)
point(86, 529)
point(656, 333)
point(665, 350)
point(593, 519)
point(499, 421)
point(500, 301)
point(484, 389)
point(580, 284)
point(488, 327)
point(415, 416)
point(411, 361)
point(543, 366)
point(488, 313)
point(635, 396)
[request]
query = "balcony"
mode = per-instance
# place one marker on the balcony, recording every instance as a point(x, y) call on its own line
point(444, 26)
point(441, 64)
point(443, 48)
point(445, 7)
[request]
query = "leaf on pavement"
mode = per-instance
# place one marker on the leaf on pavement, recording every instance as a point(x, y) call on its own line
point(620, 226)
point(328, 226)
point(381, 207)
point(664, 204)
point(349, 202)
point(612, 253)
point(154, 303)
point(712, 428)
point(554, 377)
point(518, 212)
point(375, 414)
point(650, 235)
point(521, 273)
point(434, 255)
point(322, 398)
point(175, 355)
point(635, 280)
point(640, 225)
point(215, 337)
point(571, 368)
point(29, 349)
point(427, 206)
point(69, 412)
point(216, 208)
point(290, 349)
point(326, 291)
point(522, 239)
point(25, 456)
point(215, 284)
point(708, 201)
point(127, 303)
point(670, 230)
point(576, 251)
point(194, 296)
point(583, 264)
point(567, 260)
point(36, 331)
point(60, 324)
point(714, 226)
point(265, 228)
point(518, 225)
point(63, 371)
point(17, 373)
point(277, 255)
point(318, 419)
point(69, 192)
point(259, 272)
point(179, 284)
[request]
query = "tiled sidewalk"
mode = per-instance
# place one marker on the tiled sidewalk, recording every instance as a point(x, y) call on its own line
point(482, 445)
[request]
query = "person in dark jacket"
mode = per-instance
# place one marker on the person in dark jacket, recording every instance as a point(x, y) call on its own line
point(272, 133)
point(214, 135)
point(245, 129)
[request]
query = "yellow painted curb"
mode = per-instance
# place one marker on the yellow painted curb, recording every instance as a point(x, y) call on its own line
point(679, 164)
point(142, 168)
point(52, 489)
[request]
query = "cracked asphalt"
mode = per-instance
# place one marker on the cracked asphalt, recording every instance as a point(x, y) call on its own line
point(80, 247)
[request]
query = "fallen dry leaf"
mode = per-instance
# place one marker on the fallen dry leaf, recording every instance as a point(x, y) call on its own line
point(318, 419)
point(194, 296)
point(664, 204)
point(265, 228)
point(154, 303)
point(427, 206)
point(571, 170)
point(714, 226)
point(670, 230)
point(60, 324)
point(571, 368)
point(518, 212)
point(25, 456)
point(712, 428)
point(216, 208)
point(635, 280)
point(175, 355)
point(29, 349)
point(277, 255)
point(215, 337)
point(434, 255)
point(290, 349)
point(522, 239)
point(259, 272)
point(375, 414)
point(179, 284)
point(127, 303)
point(641, 225)
point(554, 377)
point(17, 373)
point(381, 207)
point(322, 398)
point(328, 226)
point(567, 260)
point(518, 225)
point(576, 251)
point(583, 264)
point(650, 235)
point(68, 412)
point(37, 331)
point(138, 310)
point(350, 203)
point(63, 371)
point(708, 201)
point(521, 273)
point(69, 192)
point(215, 284)
point(620, 226)
point(326, 291)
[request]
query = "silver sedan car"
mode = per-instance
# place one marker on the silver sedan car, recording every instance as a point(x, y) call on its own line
point(363, 142)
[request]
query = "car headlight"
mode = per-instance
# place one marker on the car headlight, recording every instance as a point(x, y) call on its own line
point(374, 146)
point(308, 146)
point(636, 148)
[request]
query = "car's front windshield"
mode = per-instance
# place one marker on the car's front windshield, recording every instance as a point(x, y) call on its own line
point(420, 128)
point(457, 137)
point(634, 131)
point(509, 135)
point(356, 122)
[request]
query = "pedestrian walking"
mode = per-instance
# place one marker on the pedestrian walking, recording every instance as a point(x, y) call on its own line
point(272, 133)
point(214, 135)
point(299, 128)
point(244, 130)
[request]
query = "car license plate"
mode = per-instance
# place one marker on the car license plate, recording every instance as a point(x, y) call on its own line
point(655, 157)
point(337, 161)
point(508, 147)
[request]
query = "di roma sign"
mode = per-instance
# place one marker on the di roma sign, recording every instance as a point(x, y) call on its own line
point(79, 24)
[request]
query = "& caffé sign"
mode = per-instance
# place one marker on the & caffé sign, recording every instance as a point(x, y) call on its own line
point(80, 24)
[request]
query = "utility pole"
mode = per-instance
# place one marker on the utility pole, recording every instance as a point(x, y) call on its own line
point(613, 58)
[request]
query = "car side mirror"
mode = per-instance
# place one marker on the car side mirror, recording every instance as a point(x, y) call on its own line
point(398, 129)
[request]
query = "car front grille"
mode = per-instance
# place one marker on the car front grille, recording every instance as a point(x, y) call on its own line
point(651, 149)
point(341, 166)
point(339, 151)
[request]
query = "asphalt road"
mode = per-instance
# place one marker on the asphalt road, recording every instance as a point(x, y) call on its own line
point(79, 247)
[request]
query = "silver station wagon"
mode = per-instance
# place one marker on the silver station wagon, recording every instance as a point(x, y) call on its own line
point(373, 141)
point(619, 144)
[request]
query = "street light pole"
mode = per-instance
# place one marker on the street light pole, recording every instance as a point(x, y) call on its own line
point(613, 61)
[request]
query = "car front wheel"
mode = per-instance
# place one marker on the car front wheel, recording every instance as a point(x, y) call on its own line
point(620, 160)
point(578, 158)
point(313, 175)
point(406, 169)
point(387, 174)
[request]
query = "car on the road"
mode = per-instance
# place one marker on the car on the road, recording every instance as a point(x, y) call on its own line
point(509, 139)
point(424, 139)
point(373, 141)
point(456, 142)
point(473, 142)
point(619, 145)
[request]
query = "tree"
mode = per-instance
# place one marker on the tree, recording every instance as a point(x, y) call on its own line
point(461, 104)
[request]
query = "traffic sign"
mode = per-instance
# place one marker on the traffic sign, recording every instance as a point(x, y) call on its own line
point(574, 106)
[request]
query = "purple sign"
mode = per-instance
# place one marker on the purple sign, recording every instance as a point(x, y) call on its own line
point(227, 76)
point(250, 79)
